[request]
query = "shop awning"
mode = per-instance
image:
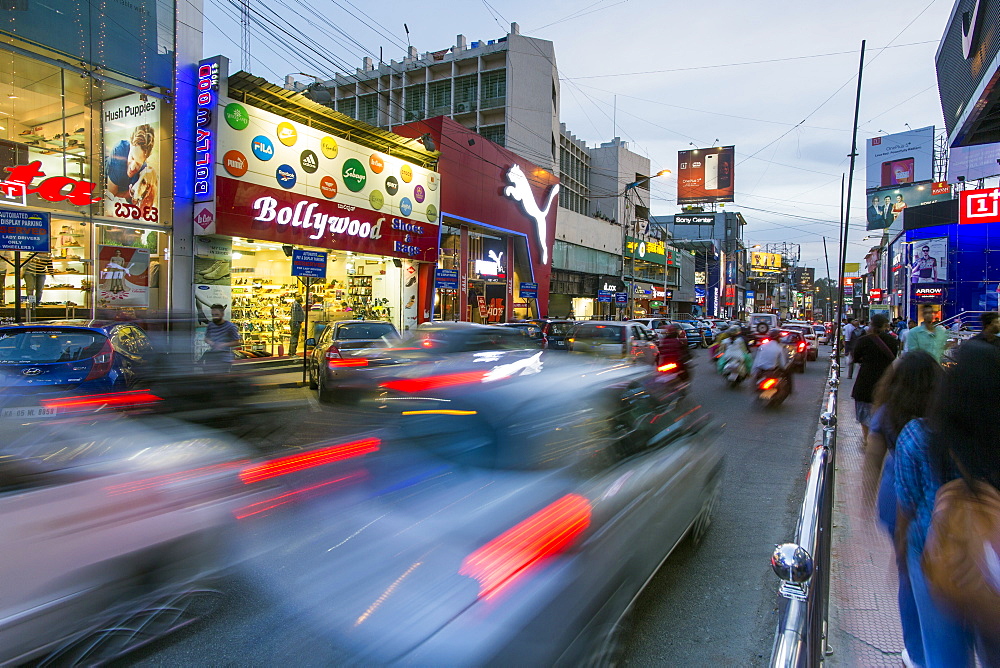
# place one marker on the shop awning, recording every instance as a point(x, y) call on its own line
point(262, 94)
point(698, 245)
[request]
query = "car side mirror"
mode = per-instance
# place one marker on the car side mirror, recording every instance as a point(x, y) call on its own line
point(310, 342)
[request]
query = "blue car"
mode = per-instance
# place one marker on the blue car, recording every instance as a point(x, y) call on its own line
point(43, 361)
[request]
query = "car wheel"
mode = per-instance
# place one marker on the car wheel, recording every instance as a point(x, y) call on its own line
point(801, 368)
point(312, 379)
point(324, 394)
point(704, 518)
point(608, 649)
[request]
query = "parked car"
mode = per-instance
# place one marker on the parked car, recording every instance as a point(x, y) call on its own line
point(523, 503)
point(810, 335)
point(616, 340)
point(699, 332)
point(337, 355)
point(555, 333)
point(40, 361)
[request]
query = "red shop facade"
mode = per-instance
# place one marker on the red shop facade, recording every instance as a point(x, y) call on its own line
point(497, 228)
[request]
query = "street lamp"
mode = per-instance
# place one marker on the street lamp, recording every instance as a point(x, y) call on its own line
point(625, 228)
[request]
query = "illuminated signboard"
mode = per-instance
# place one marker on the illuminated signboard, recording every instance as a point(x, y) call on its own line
point(979, 206)
point(205, 129)
point(928, 294)
point(15, 190)
point(875, 293)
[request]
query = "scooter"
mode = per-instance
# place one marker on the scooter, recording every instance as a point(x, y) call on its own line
point(772, 389)
point(734, 372)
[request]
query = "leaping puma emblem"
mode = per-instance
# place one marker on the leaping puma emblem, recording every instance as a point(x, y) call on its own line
point(520, 190)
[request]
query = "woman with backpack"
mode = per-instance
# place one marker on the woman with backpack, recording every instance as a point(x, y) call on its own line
point(953, 451)
point(904, 393)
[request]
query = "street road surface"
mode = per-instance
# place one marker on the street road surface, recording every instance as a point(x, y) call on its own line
point(710, 605)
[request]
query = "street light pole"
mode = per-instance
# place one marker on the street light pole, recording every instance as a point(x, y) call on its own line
point(626, 225)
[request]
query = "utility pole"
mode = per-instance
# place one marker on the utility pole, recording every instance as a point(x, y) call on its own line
point(245, 33)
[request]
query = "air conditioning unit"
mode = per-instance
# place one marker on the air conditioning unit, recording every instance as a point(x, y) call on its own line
point(461, 108)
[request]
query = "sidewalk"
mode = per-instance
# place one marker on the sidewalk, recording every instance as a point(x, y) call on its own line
point(864, 618)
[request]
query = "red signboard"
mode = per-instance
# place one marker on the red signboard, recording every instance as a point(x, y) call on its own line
point(258, 212)
point(940, 188)
point(875, 293)
point(979, 206)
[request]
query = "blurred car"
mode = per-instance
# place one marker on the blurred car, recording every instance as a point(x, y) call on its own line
point(335, 355)
point(700, 333)
point(798, 349)
point(822, 336)
point(615, 340)
point(810, 335)
point(112, 528)
point(653, 324)
point(531, 330)
point(69, 357)
point(520, 506)
point(555, 333)
point(690, 334)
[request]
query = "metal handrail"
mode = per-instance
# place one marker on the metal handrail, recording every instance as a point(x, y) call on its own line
point(804, 566)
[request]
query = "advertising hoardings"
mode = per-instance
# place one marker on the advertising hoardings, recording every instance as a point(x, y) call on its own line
point(123, 278)
point(706, 175)
point(765, 261)
point(131, 128)
point(901, 158)
point(213, 260)
point(263, 150)
point(255, 211)
point(930, 261)
point(886, 205)
point(979, 206)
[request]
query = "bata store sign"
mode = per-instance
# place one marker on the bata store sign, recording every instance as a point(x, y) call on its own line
point(259, 212)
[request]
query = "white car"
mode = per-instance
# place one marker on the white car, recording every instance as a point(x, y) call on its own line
point(808, 332)
point(821, 336)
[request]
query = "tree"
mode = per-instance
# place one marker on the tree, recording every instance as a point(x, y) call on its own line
point(827, 294)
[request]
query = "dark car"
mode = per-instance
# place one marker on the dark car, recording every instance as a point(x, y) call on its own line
point(615, 340)
point(555, 333)
point(42, 361)
point(702, 336)
point(521, 505)
point(798, 349)
point(336, 355)
point(531, 331)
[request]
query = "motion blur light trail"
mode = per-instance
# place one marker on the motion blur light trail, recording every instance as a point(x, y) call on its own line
point(308, 460)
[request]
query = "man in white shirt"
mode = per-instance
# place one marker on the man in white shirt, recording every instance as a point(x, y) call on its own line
point(903, 333)
point(771, 355)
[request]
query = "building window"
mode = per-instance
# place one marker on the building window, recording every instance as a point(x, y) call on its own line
point(440, 94)
point(465, 94)
point(416, 102)
point(348, 106)
point(495, 133)
point(493, 89)
point(368, 109)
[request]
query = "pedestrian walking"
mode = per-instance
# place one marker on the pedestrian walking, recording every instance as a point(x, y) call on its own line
point(852, 332)
point(297, 318)
point(904, 392)
point(991, 327)
point(928, 336)
point(873, 352)
point(221, 337)
point(904, 333)
point(960, 432)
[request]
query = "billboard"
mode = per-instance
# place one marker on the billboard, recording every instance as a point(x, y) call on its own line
point(131, 128)
point(905, 157)
point(123, 276)
point(886, 205)
point(965, 63)
point(765, 261)
point(970, 163)
point(930, 261)
point(705, 175)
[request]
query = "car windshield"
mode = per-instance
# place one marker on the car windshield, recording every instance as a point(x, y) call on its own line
point(366, 330)
point(791, 338)
point(49, 346)
point(602, 333)
point(559, 329)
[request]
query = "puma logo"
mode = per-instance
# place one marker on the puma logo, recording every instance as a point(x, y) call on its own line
point(520, 190)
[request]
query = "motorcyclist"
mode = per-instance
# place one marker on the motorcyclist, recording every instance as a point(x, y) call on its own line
point(771, 357)
point(672, 349)
point(734, 349)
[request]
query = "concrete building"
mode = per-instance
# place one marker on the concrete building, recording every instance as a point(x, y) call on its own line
point(505, 89)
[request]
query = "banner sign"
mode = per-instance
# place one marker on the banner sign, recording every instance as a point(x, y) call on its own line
point(124, 276)
point(257, 212)
point(308, 263)
point(930, 261)
point(904, 157)
point(705, 175)
point(528, 290)
point(886, 205)
point(446, 279)
point(131, 129)
point(24, 231)
point(604, 296)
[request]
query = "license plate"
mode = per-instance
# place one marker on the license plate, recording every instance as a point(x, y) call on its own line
point(27, 412)
point(767, 394)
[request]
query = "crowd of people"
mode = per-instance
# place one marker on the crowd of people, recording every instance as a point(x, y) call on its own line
point(926, 429)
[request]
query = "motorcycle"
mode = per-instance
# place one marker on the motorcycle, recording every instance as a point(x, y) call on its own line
point(772, 389)
point(734, 371)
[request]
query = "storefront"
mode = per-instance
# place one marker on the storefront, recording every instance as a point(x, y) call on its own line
point(86, 146)
point(498, 216)
point(281, 186)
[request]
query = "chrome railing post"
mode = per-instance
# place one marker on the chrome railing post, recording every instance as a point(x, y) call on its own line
point(804, 566)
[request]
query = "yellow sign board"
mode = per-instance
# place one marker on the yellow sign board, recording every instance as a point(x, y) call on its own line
point(765, 260)
point(852, 267)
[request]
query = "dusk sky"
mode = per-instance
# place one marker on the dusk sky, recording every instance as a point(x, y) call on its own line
point(777, 80)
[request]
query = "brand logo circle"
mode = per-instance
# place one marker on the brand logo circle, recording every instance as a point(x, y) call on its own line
point(432, 213)
point(376, 162)
point(432, 181)
point(235, 163)
point(328, 145)
point(355, 175)
point(237, 116)
point(286, 176)
point(419, 194)
point(262, 148)
point(328, 187)
point(392, 185)
point(309, 161)
point(405, 206)
point(376, 200)
point(406, 173)
point(287, 134)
